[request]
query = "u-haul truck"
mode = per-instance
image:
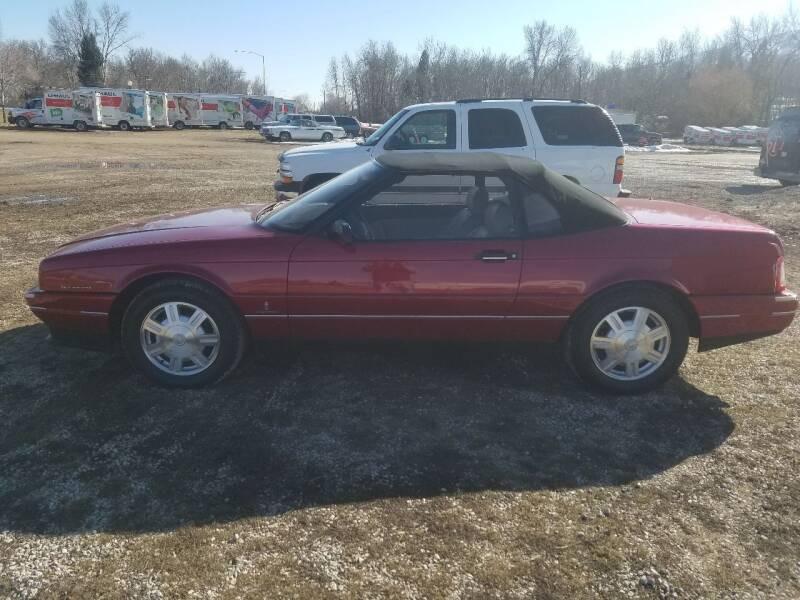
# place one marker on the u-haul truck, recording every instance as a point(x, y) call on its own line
point(124, 109)
point(264, 109)
point(79, 109)
point(204, 110)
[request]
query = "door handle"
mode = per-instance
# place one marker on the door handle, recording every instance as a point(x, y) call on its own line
point(496, 256)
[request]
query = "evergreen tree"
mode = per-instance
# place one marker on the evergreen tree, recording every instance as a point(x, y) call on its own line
point(90, 62)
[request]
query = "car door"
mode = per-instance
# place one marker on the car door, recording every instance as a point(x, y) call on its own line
point(308, 130)
point(411, 275)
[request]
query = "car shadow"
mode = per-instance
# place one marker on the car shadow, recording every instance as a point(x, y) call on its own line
point(89, 445)
point(750, 189)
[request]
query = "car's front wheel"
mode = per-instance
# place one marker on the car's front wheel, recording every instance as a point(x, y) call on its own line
point(182, 333)
point(628, 341)
point(285, 136)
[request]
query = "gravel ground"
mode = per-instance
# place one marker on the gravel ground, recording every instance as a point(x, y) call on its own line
point(402, 471)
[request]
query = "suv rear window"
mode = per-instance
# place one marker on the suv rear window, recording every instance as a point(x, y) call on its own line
point(345, 120)
point(495, 128)
point(576, 126)
point(322, 119)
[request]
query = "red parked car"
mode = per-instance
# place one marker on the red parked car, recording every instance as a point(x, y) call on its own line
point(426, 245)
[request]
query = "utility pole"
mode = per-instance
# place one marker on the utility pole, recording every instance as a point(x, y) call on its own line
point(263, 68)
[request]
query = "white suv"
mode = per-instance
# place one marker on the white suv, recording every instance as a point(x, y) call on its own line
point(575, 138)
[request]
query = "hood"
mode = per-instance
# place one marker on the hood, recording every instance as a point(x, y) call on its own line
point(217, 217)
point(673, 214)
point(327, 149)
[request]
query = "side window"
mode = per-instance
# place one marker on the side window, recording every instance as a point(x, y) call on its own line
point(481, 211)
point(541, 218)
point(426, 130)
point(575, 125)
point(495, 128)
point(307, 123)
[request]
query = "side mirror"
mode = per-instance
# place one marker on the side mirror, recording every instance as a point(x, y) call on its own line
point(341, 231)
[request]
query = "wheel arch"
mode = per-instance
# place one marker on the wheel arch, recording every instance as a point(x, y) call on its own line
point(138, 283)
point(676, 292)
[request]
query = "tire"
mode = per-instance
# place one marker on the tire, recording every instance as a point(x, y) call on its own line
point(787, 183)
point(80, 126)
point(124, 126)
point(285, 136)
point(248, 125)
point(222, 126)
point(22, 123)
point(327, 137)
point(179, 125)
point(423, 139)
point(591, 329)
point(181, 362)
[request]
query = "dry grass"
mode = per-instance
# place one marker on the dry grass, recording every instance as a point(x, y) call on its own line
point(375, 470)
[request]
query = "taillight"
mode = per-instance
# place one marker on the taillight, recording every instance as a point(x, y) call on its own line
point(780, 276)
point(618, 166)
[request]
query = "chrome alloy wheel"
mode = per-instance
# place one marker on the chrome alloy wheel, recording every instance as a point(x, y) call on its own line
point(630, 343)
point(179, 338)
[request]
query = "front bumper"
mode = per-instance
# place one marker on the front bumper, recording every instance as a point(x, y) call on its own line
point(293, 187)
point(727, 320)
point(73, 318)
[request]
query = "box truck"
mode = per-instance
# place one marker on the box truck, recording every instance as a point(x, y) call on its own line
point(204, 110)
point(158, 109)
point(79, 109)
point(124, 109)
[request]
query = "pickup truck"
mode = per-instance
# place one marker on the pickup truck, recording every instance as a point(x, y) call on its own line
point(577, 139)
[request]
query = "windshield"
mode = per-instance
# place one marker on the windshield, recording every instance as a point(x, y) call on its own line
point(297, 214)
point(381, 131)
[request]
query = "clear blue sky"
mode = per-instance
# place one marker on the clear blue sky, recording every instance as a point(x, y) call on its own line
point(298, 63)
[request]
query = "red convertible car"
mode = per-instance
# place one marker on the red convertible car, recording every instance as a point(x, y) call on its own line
point(428, 245)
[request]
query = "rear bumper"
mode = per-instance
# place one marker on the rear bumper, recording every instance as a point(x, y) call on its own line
point(726, 320)
point(71, 315)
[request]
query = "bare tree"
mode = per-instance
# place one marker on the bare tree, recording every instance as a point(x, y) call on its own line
point(67, 28)
point(112, 32)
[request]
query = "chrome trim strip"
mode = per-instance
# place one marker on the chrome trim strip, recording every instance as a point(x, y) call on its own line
point(34, 308)
point(720, 316)
point(265, 316)
point(783, 313)
point(786, 298)
point(469, 317)
point(93, 313)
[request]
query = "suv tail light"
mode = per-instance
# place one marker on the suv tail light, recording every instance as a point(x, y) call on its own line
point(618, 166)
point(780, 276)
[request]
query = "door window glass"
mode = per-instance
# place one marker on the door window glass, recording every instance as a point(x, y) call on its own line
point(495, 128)
point(481, 209)
point(426, 130)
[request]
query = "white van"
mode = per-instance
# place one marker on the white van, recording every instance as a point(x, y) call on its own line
point(572, 137)
point(79, 109)
point(124, 109)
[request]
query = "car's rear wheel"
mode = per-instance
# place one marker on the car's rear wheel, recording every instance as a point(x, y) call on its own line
point(80, 126)
point(285, 136)
point(124, 126)
point(327, 136)
point(222, 125)
point(183, 334)
point(179, 125)
point(248, 125)
point(628, 341)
